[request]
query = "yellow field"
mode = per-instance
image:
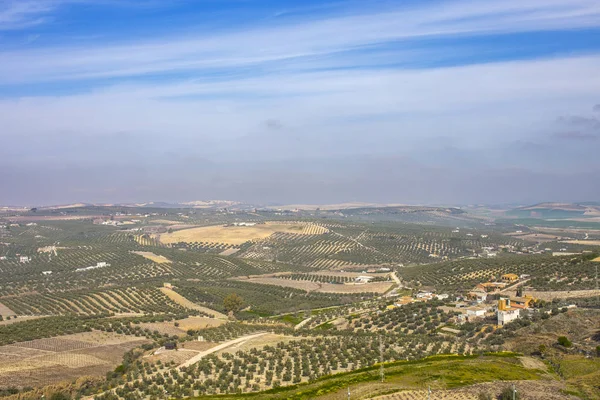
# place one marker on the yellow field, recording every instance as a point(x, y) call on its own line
point(153, 257)
point(584, 242)
point(237, 235)
point(597, 259)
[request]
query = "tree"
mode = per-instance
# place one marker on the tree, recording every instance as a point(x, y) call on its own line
point(564, 341)
point(520, 291)
point(233, 302)
point(484, 396)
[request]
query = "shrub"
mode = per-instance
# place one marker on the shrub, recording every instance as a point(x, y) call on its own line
point(564, 341)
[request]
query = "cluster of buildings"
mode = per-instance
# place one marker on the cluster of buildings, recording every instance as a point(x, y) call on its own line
point(422, 295)
point(486, 299)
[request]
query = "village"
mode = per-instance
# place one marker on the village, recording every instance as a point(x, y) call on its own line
point(501, 300)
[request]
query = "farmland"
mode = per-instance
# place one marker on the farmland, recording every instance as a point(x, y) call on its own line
point(48, 361)
point(237, 235)
point(201, 302)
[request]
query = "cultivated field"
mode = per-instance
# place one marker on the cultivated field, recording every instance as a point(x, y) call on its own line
point(179, 299)
point(302, 285)
point(237, 235)
point(153, 257)
point(180, 327)
point(584, 242)
point(565, 294)
point(373, 287)
point(316, 286)
point(4, 311)
point(47, 361)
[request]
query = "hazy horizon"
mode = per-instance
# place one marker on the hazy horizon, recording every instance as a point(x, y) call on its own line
point(430, 102)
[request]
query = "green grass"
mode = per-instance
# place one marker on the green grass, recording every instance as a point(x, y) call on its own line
point(325, 326)
point(582, 375)
point(290, 319)
point(578, 366)
point(449, 371)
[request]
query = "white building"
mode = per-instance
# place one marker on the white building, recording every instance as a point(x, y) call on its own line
point(504, 317)
point(422, 295)
point(363, 279)
point(46, 272)
point(475, 312)
point(24, 259)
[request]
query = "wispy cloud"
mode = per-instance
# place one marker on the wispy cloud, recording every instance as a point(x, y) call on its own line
point(20, 14)
point(304, 39)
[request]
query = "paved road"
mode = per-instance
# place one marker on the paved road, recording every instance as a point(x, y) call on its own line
point(222, 346)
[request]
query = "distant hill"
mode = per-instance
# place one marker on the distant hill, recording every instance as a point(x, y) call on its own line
point(557, 210)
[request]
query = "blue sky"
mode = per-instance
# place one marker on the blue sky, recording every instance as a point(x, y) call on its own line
point(299, 101)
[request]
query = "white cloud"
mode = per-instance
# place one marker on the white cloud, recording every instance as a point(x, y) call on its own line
point(471, 103)
point(296, 41)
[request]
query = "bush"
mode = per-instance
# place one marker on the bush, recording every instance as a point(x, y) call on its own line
point(564, 341)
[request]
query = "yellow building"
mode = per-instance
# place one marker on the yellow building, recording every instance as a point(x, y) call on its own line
point(510, 278)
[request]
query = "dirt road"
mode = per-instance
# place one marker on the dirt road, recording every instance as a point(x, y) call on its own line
point(222, 346)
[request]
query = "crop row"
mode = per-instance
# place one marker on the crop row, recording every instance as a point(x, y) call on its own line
point(121, 300)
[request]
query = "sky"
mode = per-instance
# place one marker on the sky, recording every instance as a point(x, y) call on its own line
point(299, 101)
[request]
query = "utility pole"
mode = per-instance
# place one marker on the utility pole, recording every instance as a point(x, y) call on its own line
point(429, 392)
point(381, 368)
point(348, 392)
point(514, 392)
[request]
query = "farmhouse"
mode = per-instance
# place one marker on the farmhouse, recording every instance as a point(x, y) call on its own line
point(478, 295)
point(510, 278)
point(521, 302)
point(426, 295)
point(475, 312)
point(506, 316)
point(506, 311)
point(24, 259)
point(3, 258)
point(362, 279)
point(46, 272)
